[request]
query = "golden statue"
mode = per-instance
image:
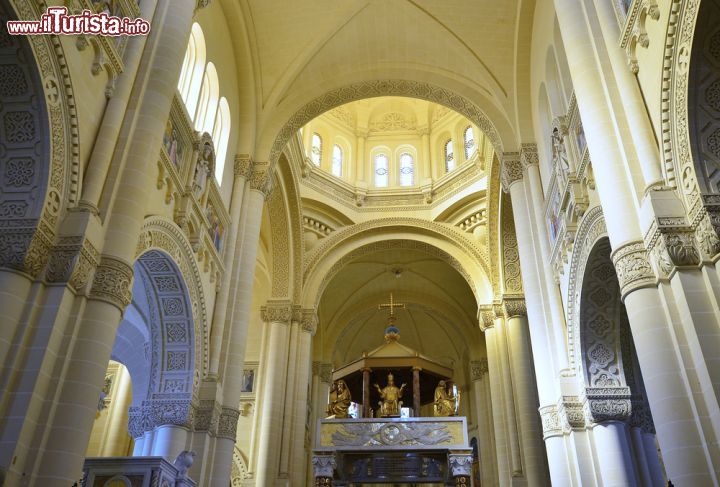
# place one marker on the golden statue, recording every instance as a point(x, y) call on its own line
point(390, 395)
point(339, 400)
point(445, 404)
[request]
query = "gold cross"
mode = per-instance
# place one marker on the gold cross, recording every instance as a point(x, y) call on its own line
point(392, 305)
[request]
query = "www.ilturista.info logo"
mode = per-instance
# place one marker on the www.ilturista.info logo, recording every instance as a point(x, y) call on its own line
point(57, 21)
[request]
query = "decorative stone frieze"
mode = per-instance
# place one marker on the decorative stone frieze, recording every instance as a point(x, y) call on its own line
point(276, 312)
point(633, 267)
point(512, 170)
point(478, 369)
point(113, 282)
point(607, 404)
point(72, 260)
point(243, 166)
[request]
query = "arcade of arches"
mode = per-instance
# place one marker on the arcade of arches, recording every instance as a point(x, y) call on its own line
point(200, 230)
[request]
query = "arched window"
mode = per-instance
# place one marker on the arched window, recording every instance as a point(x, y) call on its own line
point(193, 68)
point(469, 137)
point(220, 136)
point(449, 156)
point(381, 171)
point(209, 94)
point(337, 161)
point(316, 149)
point(407, 170)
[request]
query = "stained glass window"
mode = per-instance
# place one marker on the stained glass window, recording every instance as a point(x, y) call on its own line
point(316, 150)
point(337, 161)
point(449, 156)
point(381, 171)
point(407, 170)
point(469, 137)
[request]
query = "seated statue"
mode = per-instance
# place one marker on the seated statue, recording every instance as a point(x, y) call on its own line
point(390, 395)
point(339, 400)
point(445, 403)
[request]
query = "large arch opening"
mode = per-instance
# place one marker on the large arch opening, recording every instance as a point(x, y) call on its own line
point(145, 406)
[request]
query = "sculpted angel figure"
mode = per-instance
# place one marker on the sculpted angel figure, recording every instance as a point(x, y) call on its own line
point(340, 400)
point(558, 151)
point(390, 395)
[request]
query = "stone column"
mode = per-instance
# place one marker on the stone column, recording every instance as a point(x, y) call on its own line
point(683, 433)
point(460, 463)
point(642, 134)
point(299, 416)
point(523, 380)
point(360, 158)
point(367, 408)
point(426, 155)
point(276, 316)
point(231, 260)
point(232, 361)
point(323, 468)
point(416, 391)
point(484, 418)
point(487, 324)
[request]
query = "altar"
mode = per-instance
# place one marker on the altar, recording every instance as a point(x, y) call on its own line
point(405, 430)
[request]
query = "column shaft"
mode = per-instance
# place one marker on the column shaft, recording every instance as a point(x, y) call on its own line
point(612, 445)
point(499, 408)
point(416, 392)
point(366, 394)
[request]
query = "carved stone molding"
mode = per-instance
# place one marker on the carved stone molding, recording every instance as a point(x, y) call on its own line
point(512, 170)
point(478, 369)
point(113, 282)
point(324, 466)
point(633, 267)
point(607, 404)
point(243, 166)
point(276, 312)
point(551, 422)
point(72, 260)
point(460, 464)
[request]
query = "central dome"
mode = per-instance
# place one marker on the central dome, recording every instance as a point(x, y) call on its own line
point(388, 144)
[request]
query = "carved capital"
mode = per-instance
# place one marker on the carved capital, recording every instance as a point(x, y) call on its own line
point(478, 368)
point(324, 467)
point(72, 260)
point(514, 307)
point(633, 267)
point(512, 170)
point(227, 423)
point(309, 320)
point(324, 371)
point(113, 282)
point(529, 155)
point(201, 4)
point(641, 417)
point(276, 312)
point(486, 318)
point(551, 422)
point(460, 464)
point(707, 231)
point(261, 179)
point(242, 166)
point(607, 404)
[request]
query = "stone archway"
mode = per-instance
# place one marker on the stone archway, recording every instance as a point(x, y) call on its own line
point(40, 171)
point(691, 119)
